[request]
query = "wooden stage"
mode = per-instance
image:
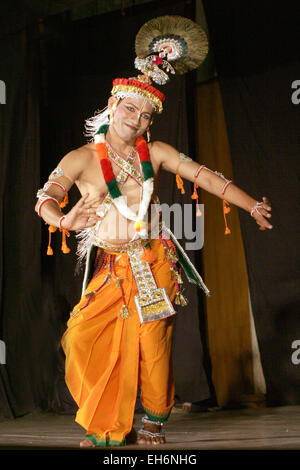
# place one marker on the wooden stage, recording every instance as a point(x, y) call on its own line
point(248, 429)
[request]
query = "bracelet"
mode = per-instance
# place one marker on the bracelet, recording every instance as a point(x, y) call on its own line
point(198, 171)
point(60, 222)
point(49, 183)
point(225, 187)
point(255, 208)
point(42, 202)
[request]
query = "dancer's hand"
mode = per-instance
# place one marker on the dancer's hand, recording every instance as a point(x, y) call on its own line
point(262, 214)
point(82, 215)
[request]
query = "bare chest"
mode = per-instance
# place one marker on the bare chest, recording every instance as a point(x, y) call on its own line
point(92, 179)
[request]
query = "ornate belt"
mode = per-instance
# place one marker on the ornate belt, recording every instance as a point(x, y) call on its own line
point(152, 302)
point(122, 248)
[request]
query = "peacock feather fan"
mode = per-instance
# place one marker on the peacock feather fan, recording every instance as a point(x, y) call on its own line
point(178, 40)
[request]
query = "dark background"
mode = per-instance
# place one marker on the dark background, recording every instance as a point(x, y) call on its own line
point(256, 47)
point(57, 73)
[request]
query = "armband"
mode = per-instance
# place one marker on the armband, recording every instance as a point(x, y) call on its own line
point(57, 173)
point(55, 183)
point(44, 197)
point(185, 158)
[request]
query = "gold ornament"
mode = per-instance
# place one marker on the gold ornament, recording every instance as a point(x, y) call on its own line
point(180, 299)
point(124, 313)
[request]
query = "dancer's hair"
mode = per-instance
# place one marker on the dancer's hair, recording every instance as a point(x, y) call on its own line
point(93, 123)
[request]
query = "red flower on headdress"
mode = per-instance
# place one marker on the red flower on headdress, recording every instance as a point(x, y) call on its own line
point(157, 60)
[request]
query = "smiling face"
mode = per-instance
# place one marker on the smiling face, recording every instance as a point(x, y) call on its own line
point(132, 117)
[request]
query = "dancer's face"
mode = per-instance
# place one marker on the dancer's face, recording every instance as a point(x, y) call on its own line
point(132, 117)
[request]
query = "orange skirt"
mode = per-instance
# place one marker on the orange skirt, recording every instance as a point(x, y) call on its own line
point(108, 356)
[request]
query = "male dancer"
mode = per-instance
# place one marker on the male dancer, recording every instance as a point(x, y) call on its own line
point(119, 333)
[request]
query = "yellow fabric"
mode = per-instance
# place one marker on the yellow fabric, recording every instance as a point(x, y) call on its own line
point(108, 356)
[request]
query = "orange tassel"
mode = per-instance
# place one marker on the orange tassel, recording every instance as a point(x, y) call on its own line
point(51, 229)
point(198, 213)
point(180, 184)
point(226, 210)
point(148, 256)
point(64, 247)
point(65, 201)
point(195, 194)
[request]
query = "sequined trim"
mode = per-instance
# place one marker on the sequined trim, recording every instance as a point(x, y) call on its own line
point(185, 158)
point(138, 91)
point(126, 166)
point(130, 246)
point(56, 173)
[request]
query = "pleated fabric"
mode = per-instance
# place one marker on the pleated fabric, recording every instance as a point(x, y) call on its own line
point(107, 356)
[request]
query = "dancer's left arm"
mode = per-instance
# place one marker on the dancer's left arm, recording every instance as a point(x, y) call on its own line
point(168, 158)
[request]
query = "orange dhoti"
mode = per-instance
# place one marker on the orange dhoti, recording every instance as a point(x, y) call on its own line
point(108, 356)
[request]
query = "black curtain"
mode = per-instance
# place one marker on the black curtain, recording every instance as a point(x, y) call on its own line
point(256, 46)
point(58, 73)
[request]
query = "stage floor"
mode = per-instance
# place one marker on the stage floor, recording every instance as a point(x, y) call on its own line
point(260, 428)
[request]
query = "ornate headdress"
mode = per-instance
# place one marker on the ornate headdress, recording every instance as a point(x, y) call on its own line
point(167, 44)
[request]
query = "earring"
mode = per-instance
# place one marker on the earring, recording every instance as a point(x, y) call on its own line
point(148, 135)
point(111, 115)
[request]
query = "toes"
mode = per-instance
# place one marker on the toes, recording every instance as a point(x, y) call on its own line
point(86, 443)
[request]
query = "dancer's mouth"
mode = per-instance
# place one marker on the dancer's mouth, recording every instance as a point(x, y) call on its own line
point(131, 127)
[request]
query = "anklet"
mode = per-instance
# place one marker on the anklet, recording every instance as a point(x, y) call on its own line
point(161, 433)
point(151, 434)
point(145, 419)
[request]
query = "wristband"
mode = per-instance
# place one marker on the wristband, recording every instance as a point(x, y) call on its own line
point(42, 202)
point(60, 222)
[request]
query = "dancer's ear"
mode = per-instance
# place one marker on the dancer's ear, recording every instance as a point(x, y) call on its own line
point(111, 101)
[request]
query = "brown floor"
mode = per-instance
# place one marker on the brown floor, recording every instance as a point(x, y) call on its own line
point(261, 428)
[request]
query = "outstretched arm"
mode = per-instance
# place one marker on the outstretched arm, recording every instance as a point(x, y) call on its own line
point(168, 157)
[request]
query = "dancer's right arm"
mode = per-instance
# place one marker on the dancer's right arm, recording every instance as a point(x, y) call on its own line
point(83, 214)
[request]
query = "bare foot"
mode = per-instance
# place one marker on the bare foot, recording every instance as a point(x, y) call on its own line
point(86, 443)
point(145, 439)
